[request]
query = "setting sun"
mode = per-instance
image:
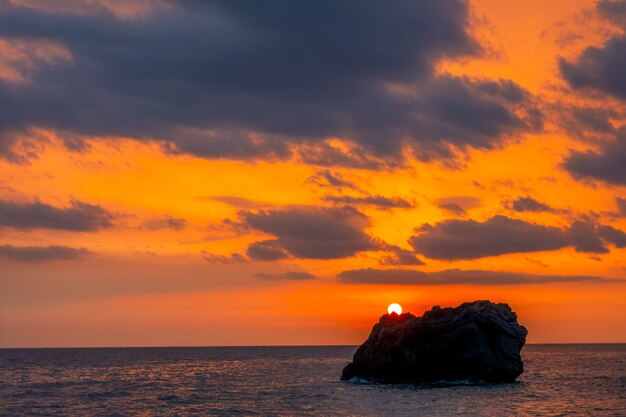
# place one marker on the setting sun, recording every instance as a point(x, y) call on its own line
point(394, 308)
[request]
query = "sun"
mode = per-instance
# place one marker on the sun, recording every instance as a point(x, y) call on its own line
point(394, 308)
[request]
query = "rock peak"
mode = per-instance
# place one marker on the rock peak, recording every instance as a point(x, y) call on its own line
point(476, 341)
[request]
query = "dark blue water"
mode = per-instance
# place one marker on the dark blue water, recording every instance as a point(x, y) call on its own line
point(560, 380)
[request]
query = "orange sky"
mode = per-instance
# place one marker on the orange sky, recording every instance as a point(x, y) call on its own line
point(171, 267)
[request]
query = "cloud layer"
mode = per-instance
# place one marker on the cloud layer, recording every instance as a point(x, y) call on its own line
point(78, 217)
point(309, 232)
point(500, 235)
point(41, 253)
point(236, 79)
point(456, 277)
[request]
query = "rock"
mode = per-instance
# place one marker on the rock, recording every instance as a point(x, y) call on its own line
point(477, 341)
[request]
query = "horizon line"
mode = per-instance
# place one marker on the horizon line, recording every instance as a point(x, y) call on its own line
point(262, 346)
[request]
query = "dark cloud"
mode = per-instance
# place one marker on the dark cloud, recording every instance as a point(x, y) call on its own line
point(167, 222)
point(239, 202)
point(456, 277)
point(468, 239)
point(326, 178)
point(621, 205)
point(614, 10)
point(601, 68)
point(453, 208)
point(585, 238)
point(530, 204)
point(287, 276)
point(240, 79)
point(615, 236)
point(398, 256)
point(233, 258)
point(79, 216)
point(592, 119)
point(266, 250)
point(606, 164)
point(311, 232)
point(458, 205)
point(375, 200)
point(324, 154)
point(42, 253)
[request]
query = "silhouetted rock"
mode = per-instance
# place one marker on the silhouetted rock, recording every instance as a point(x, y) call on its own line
point(478, 341)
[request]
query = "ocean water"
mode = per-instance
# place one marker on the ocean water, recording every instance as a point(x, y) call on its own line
point(560, 380)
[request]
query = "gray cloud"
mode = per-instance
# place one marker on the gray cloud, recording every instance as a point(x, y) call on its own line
point(310, 232)
point(605, 165)
point(239, 202)
point(167, 222)
point(375, 200)
point(266, 250)
point(399, 256)
point(621, 205)
point(326, 178)
point(457, 277)
point(458, 205)
point(233, 258)
point(468, 239)
point(601, 68)
point(234, 79)
point(79, 216)
point(610, 234)
point(530, 204)
point(287, 276)
point(499, 235)
point(585, 238)
point(614, 10)
point(452, 208)
point(42, 253)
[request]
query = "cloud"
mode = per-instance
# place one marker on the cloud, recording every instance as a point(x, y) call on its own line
point(585, 238)
point(610, 234)
point(613, 10)
point(399, 256)
point(79, 216)
point(589, 122)
point(233, 258)
point(456, 277)
point(232, 79)
point(468, 239)
point(621, 205)
point(601, 68)
point(310, 232)
point(375, 200)
point(530, 204)
point(167, 222)
point(453, 208)
point(287, 276)
point(458, 205)
point(266, 250)
point(326, 178)
point(500, 235)
point(605, 165)
point(239, 202)
point(121, 8)
point(42, 253)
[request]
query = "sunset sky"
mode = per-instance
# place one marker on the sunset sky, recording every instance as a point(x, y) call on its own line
point(230, 172)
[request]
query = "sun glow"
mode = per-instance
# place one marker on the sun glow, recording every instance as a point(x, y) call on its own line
point(394, 308)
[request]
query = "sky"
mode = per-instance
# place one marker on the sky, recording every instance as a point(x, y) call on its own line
point(227, 172)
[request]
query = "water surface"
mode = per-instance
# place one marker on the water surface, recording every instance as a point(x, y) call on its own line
point(560, 380)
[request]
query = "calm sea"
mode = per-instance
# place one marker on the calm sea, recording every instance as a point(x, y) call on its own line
point(560, 380)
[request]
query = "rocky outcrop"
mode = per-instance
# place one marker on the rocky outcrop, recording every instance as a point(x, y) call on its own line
point(477, 341)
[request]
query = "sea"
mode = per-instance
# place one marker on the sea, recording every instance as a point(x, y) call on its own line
point(559, 380)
